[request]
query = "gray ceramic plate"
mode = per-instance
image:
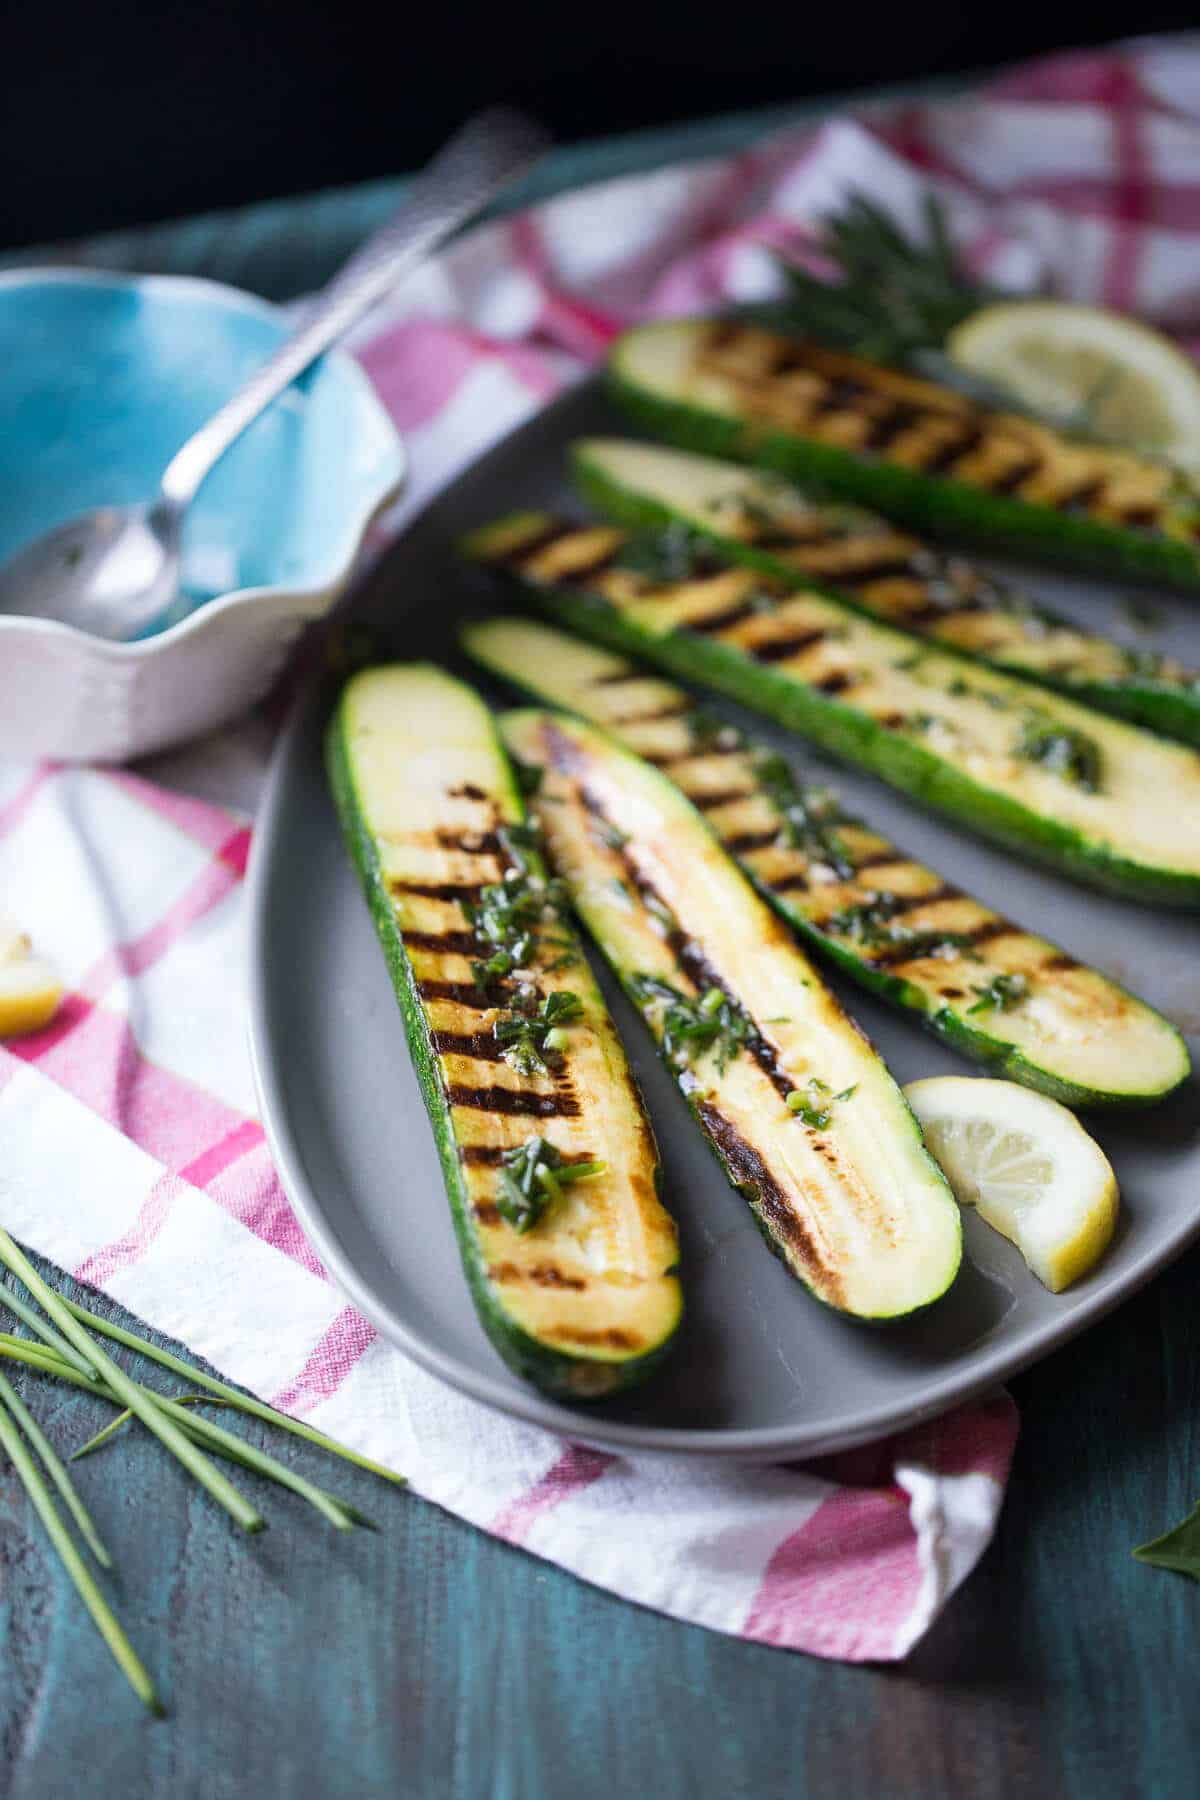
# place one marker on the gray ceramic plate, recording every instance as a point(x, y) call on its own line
point(759, 1370)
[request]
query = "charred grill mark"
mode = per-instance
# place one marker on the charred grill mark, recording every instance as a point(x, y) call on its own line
point(676, 710)
point(464, 992)
point(484, 1156)
point(989, 929)
point(487, 1212)
point(932, 612)
point(888, 956)
point(471, 843)
point(912, 902)
point(600, 564)
point(666, 759)
point(840, 392)
point(886, 568)
point(448, 943)
point(749, 1173)
point(722, 333)
point(891, 721)
point(1083, 494)
point(1012, 479)
point(724, 619)
point(779, 649)
point(479, 1045)
point(837, 683)
point(796, 883)
point(888, 426)
point(874, 859)
point(743, 842)
point(611, 1335)
point(513, 1100)
point(532, 546)
point(437, 890)
point(467, 791)
point(721, 797)
point(1058, 964)
point(617, 678)
point(541, 1274)
point(943, 460)
point(1141, 518)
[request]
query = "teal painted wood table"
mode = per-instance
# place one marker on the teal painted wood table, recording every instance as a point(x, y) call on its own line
point(429, 1660)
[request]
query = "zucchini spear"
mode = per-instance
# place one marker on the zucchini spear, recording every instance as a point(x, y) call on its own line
point(1099, 799)
point(758, 519)
point(549, 1160)
point(801, 1111)
point(921, 453)
point(993, 992)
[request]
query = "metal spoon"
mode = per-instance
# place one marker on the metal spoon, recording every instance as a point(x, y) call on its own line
point(116, 571)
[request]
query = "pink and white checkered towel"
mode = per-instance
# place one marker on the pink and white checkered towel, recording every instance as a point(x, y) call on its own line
point(129, 1148)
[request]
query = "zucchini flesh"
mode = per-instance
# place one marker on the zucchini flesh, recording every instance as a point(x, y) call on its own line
point(997, 994)
point(858, 557)
point(921, 453)
point(841, 1185)
point(585, 1301)
point(1105, 802)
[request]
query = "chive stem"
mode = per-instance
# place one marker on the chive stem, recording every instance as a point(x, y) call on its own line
point(57, 1471)
point(105, 1619)
point(244, 1402)
point(30, 1316)
point(152, 1416)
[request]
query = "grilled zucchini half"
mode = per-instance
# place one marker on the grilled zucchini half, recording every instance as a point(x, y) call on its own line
point(549, 1159)
point(759, 519)
point(803, 1114)
point(1104, 801)
point(921, 453)
point(992, 991)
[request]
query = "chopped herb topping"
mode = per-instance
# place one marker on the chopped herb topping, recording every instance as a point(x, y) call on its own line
point(529, 776)
point(1001, 993)
point(528, 1030)
point(692, 1025)
point(532, 1175)
point(509, 919)
point(674, 553)
point(1062, 751)
point(813, 1104)
point(705, 729)
point(873, 924)
point(809, 815)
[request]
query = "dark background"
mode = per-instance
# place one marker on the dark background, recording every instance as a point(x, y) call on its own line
point(117, 112)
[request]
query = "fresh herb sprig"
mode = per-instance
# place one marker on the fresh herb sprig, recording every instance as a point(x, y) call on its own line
point(665, 554)
point(813, 1103)
point(1061, 750)
point(511, 915)
point(894, 295)
point(809, 816)
point(529, 1030)
point(693, 1025)
point(873, 924)
point(532, 1177)
point(64, 1350)
point(1001, 993)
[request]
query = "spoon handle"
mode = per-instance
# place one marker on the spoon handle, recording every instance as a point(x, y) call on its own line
point(480, 159)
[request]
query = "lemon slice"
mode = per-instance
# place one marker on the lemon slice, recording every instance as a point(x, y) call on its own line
point(1120, 379)
point(1028, 1167)
point(29, 989)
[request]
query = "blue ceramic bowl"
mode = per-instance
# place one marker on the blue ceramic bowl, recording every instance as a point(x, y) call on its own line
point(102, 377)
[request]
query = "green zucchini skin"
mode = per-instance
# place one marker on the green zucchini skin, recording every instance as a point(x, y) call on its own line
point(541, 662)
point(568, 1375)
point(1166, 706)
point(852, 733)
point(872, 1160)
point(925, 502)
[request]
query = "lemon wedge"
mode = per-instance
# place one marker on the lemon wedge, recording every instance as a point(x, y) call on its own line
point(1028, 1167)
point(1119, 379)
point(29, 989)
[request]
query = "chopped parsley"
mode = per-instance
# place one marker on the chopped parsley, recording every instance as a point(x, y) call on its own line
point(692, 1025)
point(532, 1175)
point(674, 553)
point(1001, 993)
point(809, 815)
point(510, 917)
point(528, 1031)
point(1061, 750)
point(874, 925)
point(813, 1104)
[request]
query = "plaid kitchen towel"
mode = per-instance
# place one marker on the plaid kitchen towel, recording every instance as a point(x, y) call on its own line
point(1082, 172)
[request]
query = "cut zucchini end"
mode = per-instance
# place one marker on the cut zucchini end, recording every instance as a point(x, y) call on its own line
point(587, 1301)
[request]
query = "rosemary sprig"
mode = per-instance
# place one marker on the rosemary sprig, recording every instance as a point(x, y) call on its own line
point(105, 1619)
point(894, 295)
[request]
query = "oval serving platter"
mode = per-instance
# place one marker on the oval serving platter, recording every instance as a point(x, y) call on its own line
point(759, 1370)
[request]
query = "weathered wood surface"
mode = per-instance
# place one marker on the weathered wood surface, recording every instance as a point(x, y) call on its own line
point(429, 1660)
